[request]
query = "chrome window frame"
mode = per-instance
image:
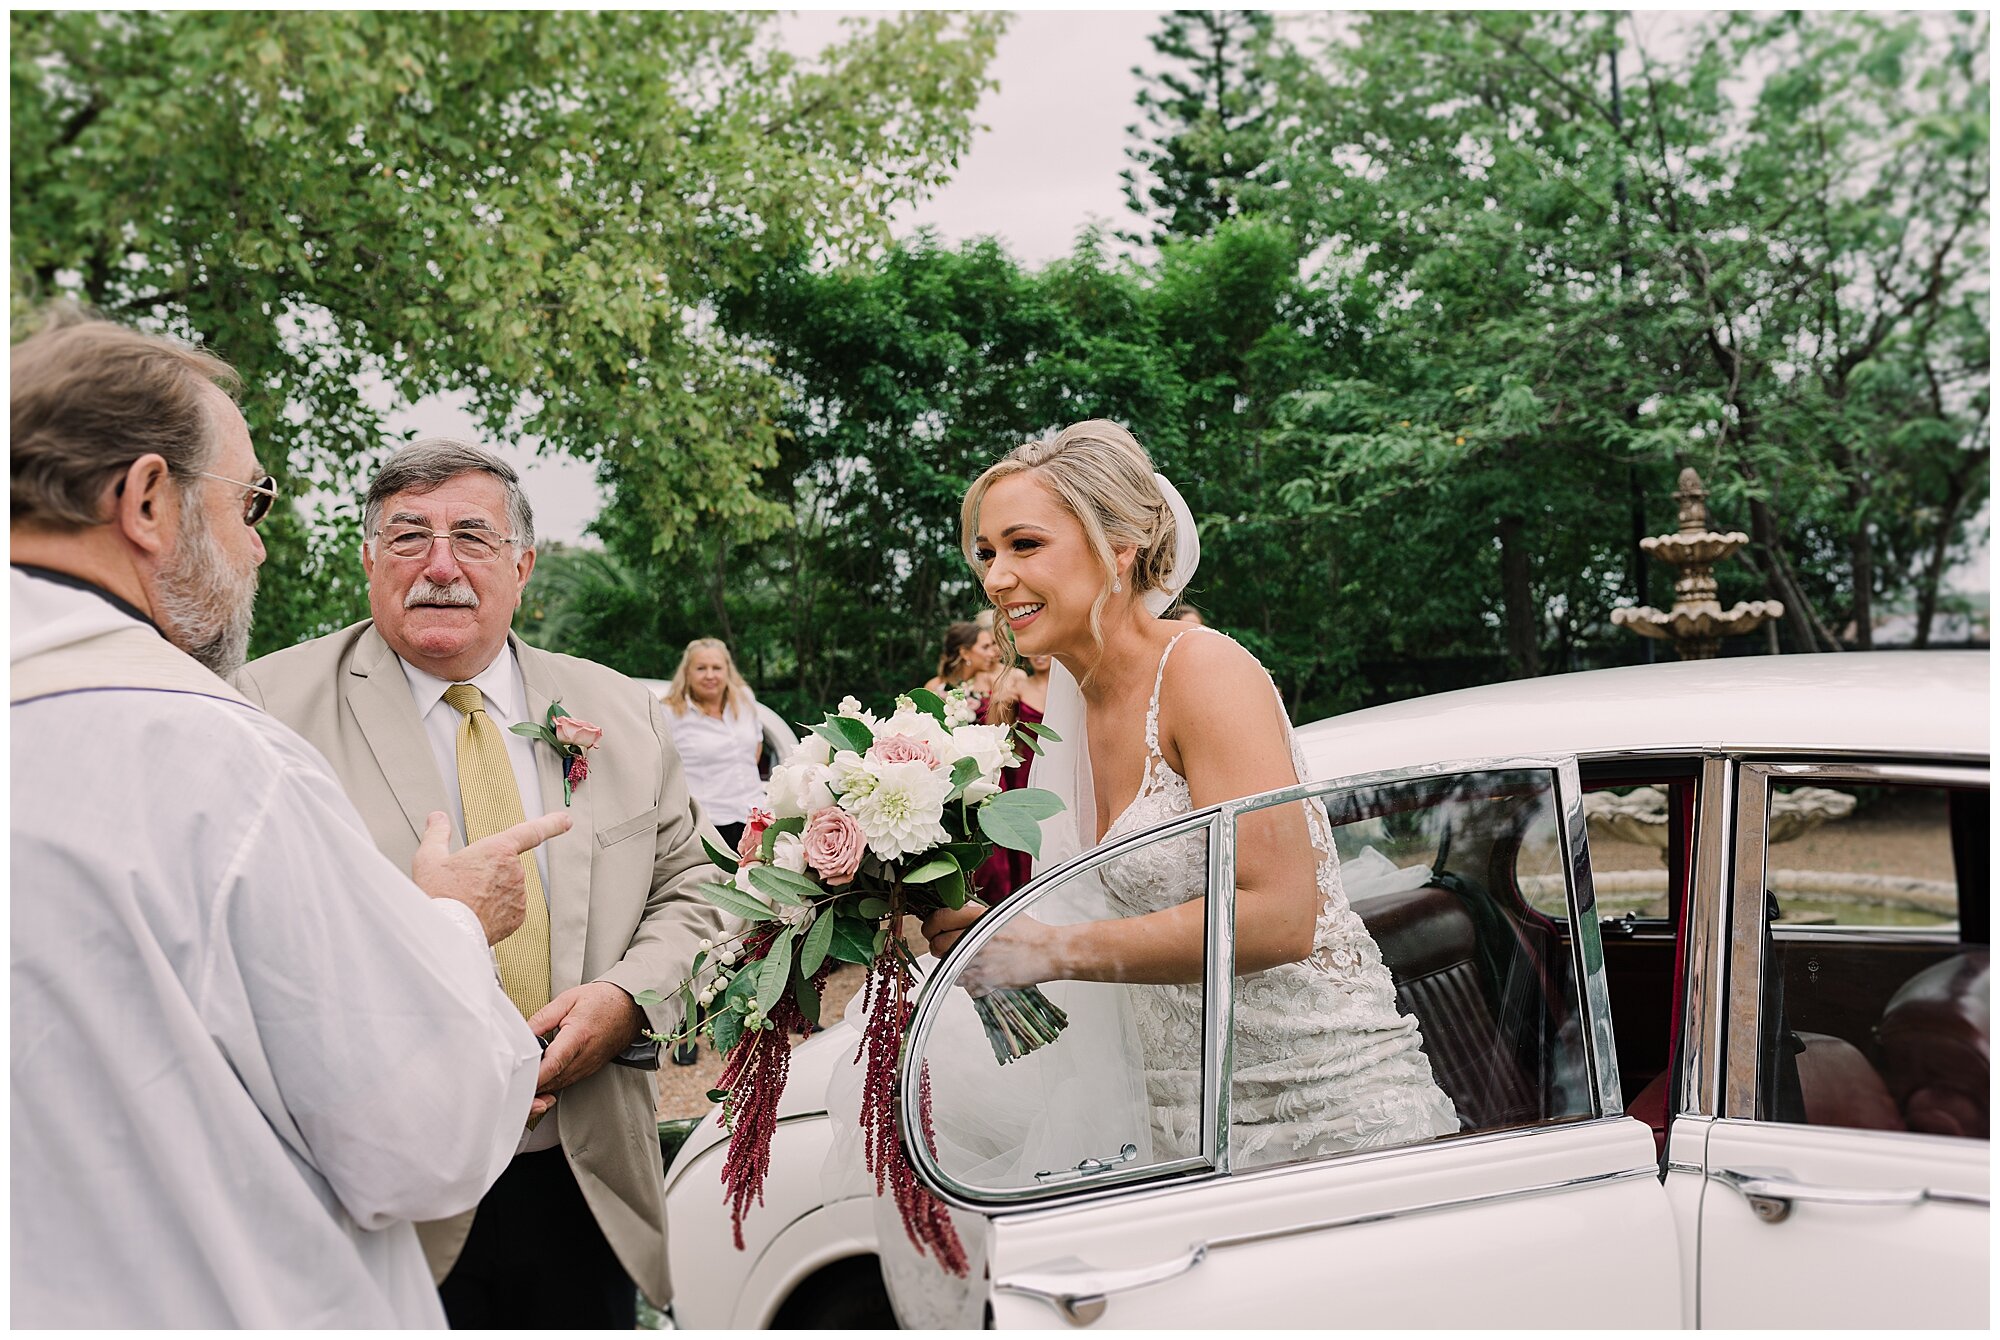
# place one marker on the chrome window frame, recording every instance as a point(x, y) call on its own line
point(1218, 1013)
point(1744, 986)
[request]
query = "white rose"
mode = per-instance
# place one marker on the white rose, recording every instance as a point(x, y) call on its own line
point(851, 776)
point(901, 812)
point(788, 852)
point(797, 789)
point(986, 745)
point(813, 749)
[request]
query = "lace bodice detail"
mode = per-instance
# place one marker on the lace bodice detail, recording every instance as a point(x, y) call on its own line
point(1323, 1059)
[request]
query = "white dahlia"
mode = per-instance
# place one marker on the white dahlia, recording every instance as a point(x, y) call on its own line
point(901, 813)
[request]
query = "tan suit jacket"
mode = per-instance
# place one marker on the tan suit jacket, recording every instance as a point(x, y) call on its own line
point(621, 908)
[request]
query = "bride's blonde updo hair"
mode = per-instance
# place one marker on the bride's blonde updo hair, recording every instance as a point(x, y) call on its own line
point(1105, 478)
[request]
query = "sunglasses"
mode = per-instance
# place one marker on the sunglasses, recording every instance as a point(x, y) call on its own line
point(257, 502)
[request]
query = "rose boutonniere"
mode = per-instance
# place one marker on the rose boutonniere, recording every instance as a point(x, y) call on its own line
point(570, 737)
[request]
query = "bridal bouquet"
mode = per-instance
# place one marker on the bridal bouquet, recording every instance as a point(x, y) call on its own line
point(867, 820)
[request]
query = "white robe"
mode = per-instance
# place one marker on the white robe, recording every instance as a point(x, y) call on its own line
point(247, 1052)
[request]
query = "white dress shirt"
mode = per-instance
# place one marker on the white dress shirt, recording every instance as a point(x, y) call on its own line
point(506, 695)
point(247, 1052)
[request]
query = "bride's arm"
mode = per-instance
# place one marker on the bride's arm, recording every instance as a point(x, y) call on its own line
point(1222, 730)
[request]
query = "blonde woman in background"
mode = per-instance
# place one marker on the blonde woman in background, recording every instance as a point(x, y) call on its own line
point(714, 719)
point(713, 716)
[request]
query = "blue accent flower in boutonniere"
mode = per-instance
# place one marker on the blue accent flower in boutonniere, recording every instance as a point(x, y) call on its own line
point(570, 737)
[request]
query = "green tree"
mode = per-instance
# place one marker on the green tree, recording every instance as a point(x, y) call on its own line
point(1207, 121)
point(538, 209)
point(1593, 282)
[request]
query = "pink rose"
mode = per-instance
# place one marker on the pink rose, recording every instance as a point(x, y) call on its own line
point(834, 845)
point(748, 845)
point(903, 749)
point(579, 733)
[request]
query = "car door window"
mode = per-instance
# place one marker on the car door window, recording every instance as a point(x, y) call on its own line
point(1437, 1000)
point(1115, 1091)
point(1426, 999)
point(1875, 999)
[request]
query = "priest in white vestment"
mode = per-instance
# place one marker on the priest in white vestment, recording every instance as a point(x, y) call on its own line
point(247, 1050)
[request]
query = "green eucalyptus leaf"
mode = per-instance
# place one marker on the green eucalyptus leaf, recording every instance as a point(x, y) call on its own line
point(784, 886)
point(1011, 828)
point(930, 703)
point(808, 997)
point(725, 861)
point(935, 868)
point(852, 941)
point(874, 909)
point(726, 1030)
point(774, 971)
point(819, 936)
point(846, 733)
point(734, 901)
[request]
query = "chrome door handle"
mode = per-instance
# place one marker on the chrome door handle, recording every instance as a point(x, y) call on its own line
point(1090, 1167)
point(1771, 1191)
point(1078, 1289)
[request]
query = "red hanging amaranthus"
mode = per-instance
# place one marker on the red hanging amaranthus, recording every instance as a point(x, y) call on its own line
point(887, 1009)
point(758, 1070)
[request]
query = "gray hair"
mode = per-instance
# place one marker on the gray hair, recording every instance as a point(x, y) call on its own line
point(88, 398)
point(433, 462)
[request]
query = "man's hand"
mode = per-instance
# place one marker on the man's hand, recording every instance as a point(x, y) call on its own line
point(595, 1022)
point(486, 875)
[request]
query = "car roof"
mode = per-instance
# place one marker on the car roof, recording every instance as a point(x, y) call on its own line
point(1917, 703)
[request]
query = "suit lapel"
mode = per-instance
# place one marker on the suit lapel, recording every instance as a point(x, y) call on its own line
point(569, 854)
point(379, 697)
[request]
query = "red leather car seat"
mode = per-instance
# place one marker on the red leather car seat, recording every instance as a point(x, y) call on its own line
point(1935, 1037)
point(1431, 950)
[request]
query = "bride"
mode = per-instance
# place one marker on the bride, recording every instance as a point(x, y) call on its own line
point(1080, 545)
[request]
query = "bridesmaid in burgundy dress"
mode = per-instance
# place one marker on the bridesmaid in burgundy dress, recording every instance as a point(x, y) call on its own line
point(1019, 699)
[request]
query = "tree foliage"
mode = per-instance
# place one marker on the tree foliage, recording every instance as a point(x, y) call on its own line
point(537, 209)
point(1207, 112)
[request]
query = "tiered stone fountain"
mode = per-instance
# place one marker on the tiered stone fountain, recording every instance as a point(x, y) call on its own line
point(1697, 623)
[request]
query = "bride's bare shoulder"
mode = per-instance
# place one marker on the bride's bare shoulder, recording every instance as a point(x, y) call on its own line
point(1207, 669)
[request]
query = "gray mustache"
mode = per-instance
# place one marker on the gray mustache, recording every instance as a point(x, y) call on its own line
point(427, 592)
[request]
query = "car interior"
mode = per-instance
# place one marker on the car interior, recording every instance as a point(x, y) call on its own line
point(1872, 1027)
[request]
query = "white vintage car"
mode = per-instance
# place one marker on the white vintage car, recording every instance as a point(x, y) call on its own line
point(1698, 952)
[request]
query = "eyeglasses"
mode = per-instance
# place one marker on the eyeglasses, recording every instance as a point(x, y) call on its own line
point(257, 503)
point(467, 546)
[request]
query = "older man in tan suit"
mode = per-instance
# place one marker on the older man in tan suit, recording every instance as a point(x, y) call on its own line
point(414, 709)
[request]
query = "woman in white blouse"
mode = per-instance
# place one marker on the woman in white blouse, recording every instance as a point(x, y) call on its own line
point(714, 720)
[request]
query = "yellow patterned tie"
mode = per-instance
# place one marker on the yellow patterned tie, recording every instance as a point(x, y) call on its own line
point(491, 797)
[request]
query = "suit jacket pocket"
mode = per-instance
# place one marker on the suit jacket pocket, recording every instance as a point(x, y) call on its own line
point(618, 832)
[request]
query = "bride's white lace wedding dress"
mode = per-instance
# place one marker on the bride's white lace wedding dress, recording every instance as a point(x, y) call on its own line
point(1323, 1060)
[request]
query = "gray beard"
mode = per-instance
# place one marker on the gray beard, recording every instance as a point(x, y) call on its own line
point(203, 607)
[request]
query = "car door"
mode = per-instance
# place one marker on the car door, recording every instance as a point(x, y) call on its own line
point(1145, 1169)
point(1846, 1177)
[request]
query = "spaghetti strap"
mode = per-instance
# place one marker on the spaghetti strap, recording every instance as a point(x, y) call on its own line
point(1153, 707)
